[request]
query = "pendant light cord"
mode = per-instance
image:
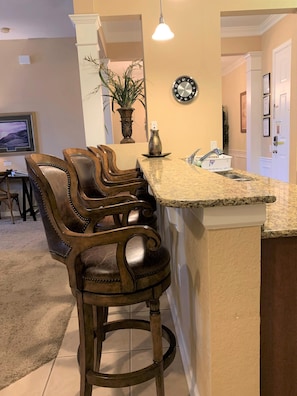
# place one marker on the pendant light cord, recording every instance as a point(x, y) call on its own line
point(162, 32)
point(161, 13)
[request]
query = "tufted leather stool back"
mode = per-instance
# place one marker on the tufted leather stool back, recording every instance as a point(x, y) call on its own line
point(88, 167)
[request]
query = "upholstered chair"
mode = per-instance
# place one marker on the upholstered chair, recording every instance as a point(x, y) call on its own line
point(115, 267)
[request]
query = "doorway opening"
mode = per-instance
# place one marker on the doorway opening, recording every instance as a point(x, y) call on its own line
point(274, 32)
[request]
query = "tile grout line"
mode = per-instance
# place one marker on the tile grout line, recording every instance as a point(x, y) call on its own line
point(48, 378)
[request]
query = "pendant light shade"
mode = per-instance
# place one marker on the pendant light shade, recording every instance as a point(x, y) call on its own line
point(163, 31)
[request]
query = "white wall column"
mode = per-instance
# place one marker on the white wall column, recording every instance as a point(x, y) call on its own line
point(254, 111)
point(87, 26)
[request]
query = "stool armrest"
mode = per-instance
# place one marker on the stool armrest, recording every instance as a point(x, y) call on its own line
point(123, 178)
point(81, 242)
point(113, 200)
point(136, 183)
point(115, 188)
point(123, 209)
point(120, 236)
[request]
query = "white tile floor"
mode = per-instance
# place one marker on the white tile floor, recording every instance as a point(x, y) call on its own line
point(123, 351)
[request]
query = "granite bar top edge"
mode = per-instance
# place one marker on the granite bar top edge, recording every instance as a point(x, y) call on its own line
point(214, 203)
point(280, 197)
point(176, 183)
point(273, 234)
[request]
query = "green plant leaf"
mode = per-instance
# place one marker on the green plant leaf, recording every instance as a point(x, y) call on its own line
point(123, 90)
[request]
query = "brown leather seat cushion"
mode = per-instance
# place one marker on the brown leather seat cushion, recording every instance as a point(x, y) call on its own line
point(101, 273)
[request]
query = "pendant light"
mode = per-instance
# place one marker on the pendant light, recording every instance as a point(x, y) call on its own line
point(163, 31)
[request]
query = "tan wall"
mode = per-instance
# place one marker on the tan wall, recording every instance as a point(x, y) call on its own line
point(182, 129)
point(195, 51)
point(49, 87)
point(232, 85)
point(124, 51)
point(127, 154)
point(240, 46)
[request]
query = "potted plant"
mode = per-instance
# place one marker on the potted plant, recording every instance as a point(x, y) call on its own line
point(123, 90)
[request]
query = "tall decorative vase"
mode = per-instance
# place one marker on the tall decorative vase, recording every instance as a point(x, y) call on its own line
point(155, 145)
point(126, 121)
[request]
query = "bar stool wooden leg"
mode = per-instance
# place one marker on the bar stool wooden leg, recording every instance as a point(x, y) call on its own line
point(156, 330)
point(86, 344)
point(101, 318)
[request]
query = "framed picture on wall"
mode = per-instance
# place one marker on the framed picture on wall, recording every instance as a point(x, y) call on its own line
point(266, 126)
point(16, 133)
point(243, 112)
point(266, 84)
point(266, 105)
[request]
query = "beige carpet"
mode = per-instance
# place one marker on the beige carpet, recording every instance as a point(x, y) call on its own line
point(35, 300)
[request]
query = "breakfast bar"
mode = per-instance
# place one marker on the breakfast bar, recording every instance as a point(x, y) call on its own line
point(225, 273)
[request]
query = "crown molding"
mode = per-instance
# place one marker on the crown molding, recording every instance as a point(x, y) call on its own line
point(248, 31)
point(270, 21)
point(230, 66)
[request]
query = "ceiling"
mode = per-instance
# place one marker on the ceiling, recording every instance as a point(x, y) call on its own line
point(29, 19)
point(34, 19)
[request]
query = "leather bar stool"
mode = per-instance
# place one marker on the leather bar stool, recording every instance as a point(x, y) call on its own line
point(88, 169)
point(110, 177)
point(116, 267)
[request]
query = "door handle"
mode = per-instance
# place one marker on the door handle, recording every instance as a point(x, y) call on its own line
point(275, 141)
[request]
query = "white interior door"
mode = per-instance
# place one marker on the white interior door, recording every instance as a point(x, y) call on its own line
point(280, 122)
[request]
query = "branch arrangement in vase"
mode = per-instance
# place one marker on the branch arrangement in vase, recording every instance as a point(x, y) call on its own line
point(124, 89)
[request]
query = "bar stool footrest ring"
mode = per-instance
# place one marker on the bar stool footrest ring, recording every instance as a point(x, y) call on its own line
point(138, 376)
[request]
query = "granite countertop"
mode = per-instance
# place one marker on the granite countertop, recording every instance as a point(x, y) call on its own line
point(175, 183)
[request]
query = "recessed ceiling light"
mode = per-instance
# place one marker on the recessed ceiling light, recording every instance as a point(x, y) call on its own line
point(5, 30)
